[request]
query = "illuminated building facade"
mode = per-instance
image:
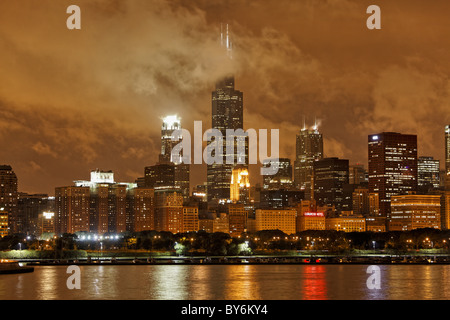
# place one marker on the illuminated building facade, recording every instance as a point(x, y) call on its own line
point(190, 219)
point(169, 172)
point(108, 202)
point(330, 176)
point(413, 211)
point(169, 211)
point(240, 185)
point(237, 218)
point(309, 148)
point(46, 222)
point(72, 209)
point(428, 173)
point(276, 219)
point(227, 114)
point(140, 209)
point(346, 222)
point(9, 196)
point(392, 167)
point(4, 225)
point(310, 221)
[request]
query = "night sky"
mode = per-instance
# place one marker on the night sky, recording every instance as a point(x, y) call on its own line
point(76, 100)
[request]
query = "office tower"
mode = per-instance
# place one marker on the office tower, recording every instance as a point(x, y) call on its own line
point(169, 125)
point(413, 211)
point(309, 148)
point(240, 185)
point(29, 209)
point(169, 211)
point(428, 174)
point(279, 198)
point(360, 202)
point(357, 174)
point(276, 219)
point(227, 114)
point(9, 196)
point(170, 172)
point(392, 167)
point(330, 176)
point(237, 219)
point(72, 209)
point(280, 180)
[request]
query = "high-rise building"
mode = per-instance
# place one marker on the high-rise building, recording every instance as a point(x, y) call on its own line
point(330, 177)
point(227, 114)
point(29, 209)
point(108, 202)
point(170, 172)
point(346, 222)
point(357, 174)
point(360, 202)
point(240, 185)
point(392, 167)
point(428, 173)
point(142, 209)
point(309, 148)
point(169, 126)
point(72, 209)
point(447, 149)
point(9, 196)
point(280, 180)
point(190, 218)
point(237, 219)
point(413, 211)
point(169, 211)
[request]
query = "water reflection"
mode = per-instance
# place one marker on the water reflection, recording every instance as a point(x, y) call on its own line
point(315, 283)
point(231, 282)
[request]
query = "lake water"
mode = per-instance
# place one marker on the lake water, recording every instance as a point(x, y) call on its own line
point(230, 282)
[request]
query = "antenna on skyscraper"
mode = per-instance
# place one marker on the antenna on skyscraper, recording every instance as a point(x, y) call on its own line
point(225, 40)
point(304, 122)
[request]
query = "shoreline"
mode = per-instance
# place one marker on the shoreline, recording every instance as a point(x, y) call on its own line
point(247, 260)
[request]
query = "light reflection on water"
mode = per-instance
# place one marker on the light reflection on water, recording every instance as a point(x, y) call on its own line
point(230, 282)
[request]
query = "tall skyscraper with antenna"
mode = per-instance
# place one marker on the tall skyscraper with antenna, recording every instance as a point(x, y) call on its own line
point(227, 113)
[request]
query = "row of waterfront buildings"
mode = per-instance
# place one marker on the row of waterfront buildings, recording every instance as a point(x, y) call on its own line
point(399, 190)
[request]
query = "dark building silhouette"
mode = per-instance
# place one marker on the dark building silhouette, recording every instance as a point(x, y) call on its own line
point(330, 177)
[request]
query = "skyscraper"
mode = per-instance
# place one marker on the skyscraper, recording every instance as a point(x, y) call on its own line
point(9, 196)
point(169, 172)
point(392, 167)
point(447, 157)
point(227, 115)
point(330, 176)
point(280, 180)
point(309, 148)
point(428, 172)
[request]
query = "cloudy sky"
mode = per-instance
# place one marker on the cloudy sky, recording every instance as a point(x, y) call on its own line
point(76, 100)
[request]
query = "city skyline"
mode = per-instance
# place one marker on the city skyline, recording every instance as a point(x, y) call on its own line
point(68, 105)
